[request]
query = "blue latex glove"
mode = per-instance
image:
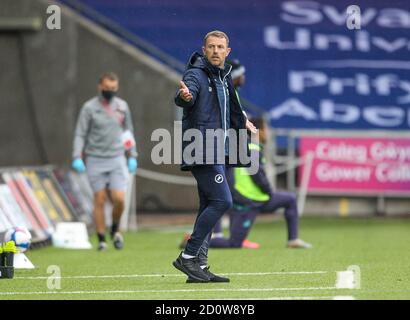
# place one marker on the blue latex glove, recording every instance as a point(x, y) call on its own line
point(78, 165)
point(132, 165)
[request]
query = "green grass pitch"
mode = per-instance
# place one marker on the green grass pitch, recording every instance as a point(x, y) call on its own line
point(143, 270)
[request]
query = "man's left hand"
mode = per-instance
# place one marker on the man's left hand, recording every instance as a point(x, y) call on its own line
point(251, 127)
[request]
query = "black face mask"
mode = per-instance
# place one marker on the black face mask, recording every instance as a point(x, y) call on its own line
point(108, 94)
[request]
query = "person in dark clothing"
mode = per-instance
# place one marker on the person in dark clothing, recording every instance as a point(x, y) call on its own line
point(238, 74)
point(252, 194)
point(209, 101)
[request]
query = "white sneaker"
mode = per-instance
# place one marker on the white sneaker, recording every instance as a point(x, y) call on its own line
point(118, 241)
point(299, 244)
point(102, 246)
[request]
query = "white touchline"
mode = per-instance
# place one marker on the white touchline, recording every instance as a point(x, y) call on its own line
point(165, 291)
point(174, 275)
point(276, 273)
point(291, 298)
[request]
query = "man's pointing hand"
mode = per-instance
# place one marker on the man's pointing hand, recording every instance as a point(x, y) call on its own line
point(184, 92)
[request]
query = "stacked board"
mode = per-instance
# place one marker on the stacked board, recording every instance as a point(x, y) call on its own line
point(39, 198)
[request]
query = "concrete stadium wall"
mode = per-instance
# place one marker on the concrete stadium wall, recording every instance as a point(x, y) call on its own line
point(61, 72)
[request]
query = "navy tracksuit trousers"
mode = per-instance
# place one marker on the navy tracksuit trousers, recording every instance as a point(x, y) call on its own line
point(214, 200)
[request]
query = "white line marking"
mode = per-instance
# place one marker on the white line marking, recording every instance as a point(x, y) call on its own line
point(276, 273)
point(165, 291)
point(293, 298)
point(343, 298)
point(172, 275)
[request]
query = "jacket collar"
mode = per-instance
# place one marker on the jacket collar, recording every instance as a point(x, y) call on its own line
point(216, 70)
point(197, 60)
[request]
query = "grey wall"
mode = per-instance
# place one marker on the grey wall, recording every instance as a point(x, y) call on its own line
point(62, 68)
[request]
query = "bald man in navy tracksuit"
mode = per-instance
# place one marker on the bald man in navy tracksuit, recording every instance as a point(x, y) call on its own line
point(209, 101)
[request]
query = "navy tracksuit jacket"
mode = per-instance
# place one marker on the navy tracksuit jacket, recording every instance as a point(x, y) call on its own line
point(214, 106)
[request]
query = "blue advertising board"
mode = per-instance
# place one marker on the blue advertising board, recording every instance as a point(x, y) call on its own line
point(309, 64)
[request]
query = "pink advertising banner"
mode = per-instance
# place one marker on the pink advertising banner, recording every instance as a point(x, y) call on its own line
point(368, 165)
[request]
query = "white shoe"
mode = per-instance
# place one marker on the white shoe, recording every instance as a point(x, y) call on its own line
point(102, 246)
point(118, 241)
point(299, 244)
